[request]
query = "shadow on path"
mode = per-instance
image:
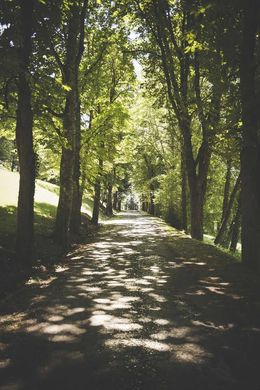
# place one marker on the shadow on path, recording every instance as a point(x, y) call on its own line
point(142, 307)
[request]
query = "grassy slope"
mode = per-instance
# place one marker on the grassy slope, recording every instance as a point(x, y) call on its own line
point(46, 253)
point(46, 200)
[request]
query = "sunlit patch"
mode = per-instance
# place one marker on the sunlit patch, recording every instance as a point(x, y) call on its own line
point(110, 322)
point(102, 300)
point(215, 290)
point(161, 321)
point(134, 342)
point(60, 328)
point(145, 320)
point(155, 269)
point(160, 336)
point(41, 282)
point(198, 292)
point(191, 353)
point(161, 281)
point(194, 263)
point(142, 282)
point(76, 310)
point(147, 289)
point(38, 298)
point(63, 338)
point(77, 257)
point(157, 297)
point(157, 308)
point(180, 332)
point(55, 318)
point(59, 268)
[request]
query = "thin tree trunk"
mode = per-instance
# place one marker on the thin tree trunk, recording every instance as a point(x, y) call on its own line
point(223, 227)
point(250, 154)
point(97, 194)
point(115, 200)
point(235, 228)
point(109, 208)
point(183, 193)
point(152, 205)
point(24, 141)
point(226, 190)
point(95, 213)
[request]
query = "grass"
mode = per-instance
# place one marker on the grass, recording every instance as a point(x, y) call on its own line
point(46, 252)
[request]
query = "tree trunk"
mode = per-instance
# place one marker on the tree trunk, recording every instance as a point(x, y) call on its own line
point(115, 200)
point(152, 205)
point(61, 233)
point(24, 141)
point(197, 182)
point(109, 208)
point(95, 213)
point(197, 204)
point(97, 194)
point(75, 221)
point(235, 228)
point(64, 209)
point(250, 154)
point(223, 227)
point(69, 170)
point(226, 190)
point(183, 194)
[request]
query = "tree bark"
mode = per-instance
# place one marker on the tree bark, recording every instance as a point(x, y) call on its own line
point(236, 223)
point(226, 190)
point(75, 220)
point(24, 141)
point(95, 213)
point(70, 160)
point(115, 200)
point(223, 227)
point(183, 193)
point(109, 207)
point(64, 209)
point(250, 154)
point(97, 194)
point(151, 204)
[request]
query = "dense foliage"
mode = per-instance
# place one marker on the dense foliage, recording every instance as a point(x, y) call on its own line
point(152, 98)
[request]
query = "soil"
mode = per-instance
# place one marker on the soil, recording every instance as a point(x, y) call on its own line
point(143, 306)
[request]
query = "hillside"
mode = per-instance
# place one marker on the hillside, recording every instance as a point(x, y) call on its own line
point(46, 200)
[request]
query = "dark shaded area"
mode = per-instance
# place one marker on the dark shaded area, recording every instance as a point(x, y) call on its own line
point(46, 252)
point(142, 307)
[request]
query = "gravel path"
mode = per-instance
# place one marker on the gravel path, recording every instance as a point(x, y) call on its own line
point(141, 307)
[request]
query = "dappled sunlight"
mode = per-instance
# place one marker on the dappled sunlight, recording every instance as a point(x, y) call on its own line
point(130, 297)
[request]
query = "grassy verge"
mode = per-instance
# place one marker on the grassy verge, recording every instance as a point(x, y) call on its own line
point(46, 253)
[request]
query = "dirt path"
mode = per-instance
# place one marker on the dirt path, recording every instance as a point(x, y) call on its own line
point(142, 307)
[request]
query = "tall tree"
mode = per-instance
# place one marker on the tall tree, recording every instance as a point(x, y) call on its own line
point(250, 154)
point(24, 137)
point(70, 160)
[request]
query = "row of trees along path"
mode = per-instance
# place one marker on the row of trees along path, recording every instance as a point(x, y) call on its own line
point(160, 96)
point(121, 102)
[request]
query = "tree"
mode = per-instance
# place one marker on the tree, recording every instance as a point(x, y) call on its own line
point(24, 137)
point(250, 154)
